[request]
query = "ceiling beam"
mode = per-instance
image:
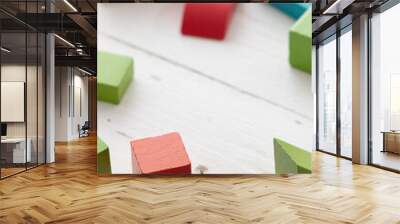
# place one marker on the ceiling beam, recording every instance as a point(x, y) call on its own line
point(78, 61)
point(320, 22)
point(337, 7)
point(49, 22)
point(86, 26)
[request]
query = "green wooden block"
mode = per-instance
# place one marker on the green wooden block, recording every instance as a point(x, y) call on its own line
point(290, 159)
point(300, 43)
point(103, 158)
point(114, 74)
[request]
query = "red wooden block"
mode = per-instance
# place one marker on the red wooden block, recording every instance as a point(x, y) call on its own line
point(163, 154)
point(208, 20)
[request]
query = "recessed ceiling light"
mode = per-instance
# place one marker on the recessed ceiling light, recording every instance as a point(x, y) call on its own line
point(338, 6)
point(70, 5)
point(64, 40)
point(5, 50)
point(84, 71)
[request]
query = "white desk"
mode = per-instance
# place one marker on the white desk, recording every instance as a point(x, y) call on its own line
point(19, 149)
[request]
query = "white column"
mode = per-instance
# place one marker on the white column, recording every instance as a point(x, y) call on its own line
point(360, 90)
point(50, 99)
point(314, 91)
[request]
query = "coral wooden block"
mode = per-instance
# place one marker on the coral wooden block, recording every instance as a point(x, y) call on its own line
point(210, 20)
point(163, 154)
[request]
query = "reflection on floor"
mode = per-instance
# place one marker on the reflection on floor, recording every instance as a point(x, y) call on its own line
point(69, 191)
point(346, 151)
point(11, 169)
point(387, 159)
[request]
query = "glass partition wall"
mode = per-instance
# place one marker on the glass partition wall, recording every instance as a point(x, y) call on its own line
point(22, 107)
point(334, 110)
point(13, 89)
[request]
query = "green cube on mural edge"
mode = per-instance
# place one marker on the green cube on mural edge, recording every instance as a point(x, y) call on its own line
point(103, 158)
point(300, 43)
point(115, 73)
point(291, 159)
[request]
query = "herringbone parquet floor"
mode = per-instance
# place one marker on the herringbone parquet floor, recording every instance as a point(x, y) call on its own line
point(69, 191)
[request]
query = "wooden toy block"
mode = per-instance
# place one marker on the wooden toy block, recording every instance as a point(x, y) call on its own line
point(115, 73)
point(163, 154)
point(294, 10)
point(209, 20)
point(103, 158)
point(290, 159)
point(300, 43)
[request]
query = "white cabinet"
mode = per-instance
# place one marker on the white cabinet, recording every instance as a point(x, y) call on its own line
point(19, 155)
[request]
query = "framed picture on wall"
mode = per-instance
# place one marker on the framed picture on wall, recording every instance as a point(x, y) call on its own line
point(12, 101)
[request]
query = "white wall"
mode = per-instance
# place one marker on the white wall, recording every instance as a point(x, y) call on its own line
point(79, 117)
point(33, 127)
point(70, 83)
point(11, 73)
point(62, 81)
point(14, 73)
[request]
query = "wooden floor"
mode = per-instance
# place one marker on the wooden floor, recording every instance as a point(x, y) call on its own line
point(69, 191)
point(387, 159)
point(8, 171)
point(11, 170)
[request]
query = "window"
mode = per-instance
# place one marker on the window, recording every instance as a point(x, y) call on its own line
point(327, 96)
point(346, 94)
point(334, 138)
point(385, 89)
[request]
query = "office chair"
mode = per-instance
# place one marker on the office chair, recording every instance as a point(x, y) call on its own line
point(84, 130)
